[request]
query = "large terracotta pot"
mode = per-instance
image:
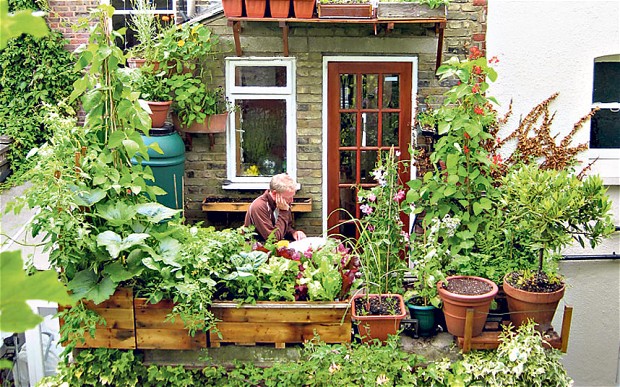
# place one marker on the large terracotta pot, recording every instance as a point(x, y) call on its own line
point(378, 327)
point(304, 9)
point(233, 8)
point(255, 8)
point(215, 123)
point(279, 8)
point(455, 307)
point(539, 307)
point(159, 113)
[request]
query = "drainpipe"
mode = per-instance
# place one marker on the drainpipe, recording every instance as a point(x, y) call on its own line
point(191, 8)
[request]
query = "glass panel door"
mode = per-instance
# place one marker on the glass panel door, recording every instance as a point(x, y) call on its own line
point(369, 111)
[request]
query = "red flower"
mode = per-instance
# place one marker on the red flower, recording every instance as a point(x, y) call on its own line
point(479, 110)
point(474, 53)
point(466, 135)
point(465, 149)
point(477, 70)
point(494, 60)
point(497, 159)
point(475, 88)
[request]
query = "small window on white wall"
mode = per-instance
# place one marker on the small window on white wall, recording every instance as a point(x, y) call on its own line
point(262, 130)
point(605, 124)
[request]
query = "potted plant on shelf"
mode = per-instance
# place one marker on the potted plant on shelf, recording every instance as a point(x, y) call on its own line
point(145, 24)
point(411, 9)
point(188, 48)
point(344, 9)
point(429, 259)
point(381, 245)
point(547, 210)
point(304, 9)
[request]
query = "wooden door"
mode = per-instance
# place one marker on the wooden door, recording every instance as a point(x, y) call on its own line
point(369, 111)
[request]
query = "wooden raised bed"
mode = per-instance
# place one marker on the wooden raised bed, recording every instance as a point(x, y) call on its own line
point(408, 10)
point(345, 11)
point(119, 331)
point(280, 323)
point(154, 332)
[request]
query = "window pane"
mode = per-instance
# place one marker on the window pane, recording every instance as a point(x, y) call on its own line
point(368, 162)
point(348, 167)
point(389, 127)
point(348, 129)
point(260, 76)
point(369, 91)
point(370, 129)
point(391, 92)
point(606, 82)
point(348, 91)
point(605, 129)
point(261, 137)
point(126, 5)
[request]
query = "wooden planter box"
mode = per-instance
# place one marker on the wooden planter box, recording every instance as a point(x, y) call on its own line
point(215, 205)
point(119, 331)
point(402, 10)
point(280, 323)
point(345, 11)
point(154, 332)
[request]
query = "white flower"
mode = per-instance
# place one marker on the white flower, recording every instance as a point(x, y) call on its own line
point(382, 379)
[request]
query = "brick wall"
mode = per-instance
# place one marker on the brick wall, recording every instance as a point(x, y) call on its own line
point(65, 14)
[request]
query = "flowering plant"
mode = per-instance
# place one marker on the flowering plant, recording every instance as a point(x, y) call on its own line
point(382, 240)
point(429, 257)
point(183, 46)
point(461, 182)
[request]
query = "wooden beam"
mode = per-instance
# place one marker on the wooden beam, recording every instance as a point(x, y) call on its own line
point(236, 32)
point(441, 26)
point(566, 321)
point(284, 27)
point(469, 327)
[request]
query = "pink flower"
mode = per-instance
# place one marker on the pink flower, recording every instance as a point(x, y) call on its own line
point(371, 228)
point(366, 209)
point(308, 253)
point(400, 195)
point(405, 236)
point(372, 197)
point(494, 60)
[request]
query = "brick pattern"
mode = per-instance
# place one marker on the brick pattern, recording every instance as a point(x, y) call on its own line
point(65, 14)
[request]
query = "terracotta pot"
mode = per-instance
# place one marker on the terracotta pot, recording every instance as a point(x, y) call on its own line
point(539, 307)
point(455, 307)
point(159, 113)
point(304, 9)
point(255, 8)
point(378, 327)
point(135, 63)
point(233, 8)
point(279, 8)
point(215, 123)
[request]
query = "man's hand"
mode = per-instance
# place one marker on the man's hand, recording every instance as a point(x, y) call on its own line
point(281, 203)
point(297, 235)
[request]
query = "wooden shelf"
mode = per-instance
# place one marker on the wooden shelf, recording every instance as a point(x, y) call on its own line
point(490, 339)
point(284, 23)
point(299, 205)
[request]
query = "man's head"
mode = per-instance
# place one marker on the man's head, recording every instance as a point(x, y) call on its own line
point(284, 185)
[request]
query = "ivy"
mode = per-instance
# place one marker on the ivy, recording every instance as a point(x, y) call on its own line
point(34, 73)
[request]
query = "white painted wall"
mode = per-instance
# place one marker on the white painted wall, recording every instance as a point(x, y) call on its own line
point(546, 47)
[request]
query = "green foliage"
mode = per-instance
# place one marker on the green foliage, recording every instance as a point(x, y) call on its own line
point(15, 5)
point(78, 322)
point(520, 360)
point(35, 73)
point(19, 21)
point(17, 288)
point(429, 258)
point(188, 46)
point(382, 239)
point(552, 208)
point(193, 101)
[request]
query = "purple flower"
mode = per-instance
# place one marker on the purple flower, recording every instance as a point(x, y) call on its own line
point(370, 227)
point(400, 195)
point(308, 253)
point(366, 209)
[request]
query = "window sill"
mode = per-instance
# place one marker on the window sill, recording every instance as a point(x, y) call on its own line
point(606, 165)
point(247, 186)
point(299, 205)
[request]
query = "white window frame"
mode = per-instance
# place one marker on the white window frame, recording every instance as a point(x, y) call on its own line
point(286, 93)
point(607, 159)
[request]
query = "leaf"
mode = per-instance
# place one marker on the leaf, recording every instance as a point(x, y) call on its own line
point(86, 197)
point(16, 288)
point(452, 161)
point(85, 285)
point(117, 214)
point(443, 127)
point(156, 212)
point(117, 272)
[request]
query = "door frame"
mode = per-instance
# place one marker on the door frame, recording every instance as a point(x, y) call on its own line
point(414, 108)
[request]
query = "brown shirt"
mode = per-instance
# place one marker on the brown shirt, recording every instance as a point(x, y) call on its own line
point(261, 215)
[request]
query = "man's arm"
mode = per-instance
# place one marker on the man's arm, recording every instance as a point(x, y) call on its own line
point(259, 215)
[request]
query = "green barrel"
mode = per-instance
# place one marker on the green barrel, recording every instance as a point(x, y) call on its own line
point(168, 168)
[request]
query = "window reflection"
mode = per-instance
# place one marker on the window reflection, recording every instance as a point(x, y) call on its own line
point(261, 137)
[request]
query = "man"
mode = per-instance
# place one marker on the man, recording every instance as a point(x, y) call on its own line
point(271, 212)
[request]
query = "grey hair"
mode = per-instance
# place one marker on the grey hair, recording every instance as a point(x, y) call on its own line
point(282, 183)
